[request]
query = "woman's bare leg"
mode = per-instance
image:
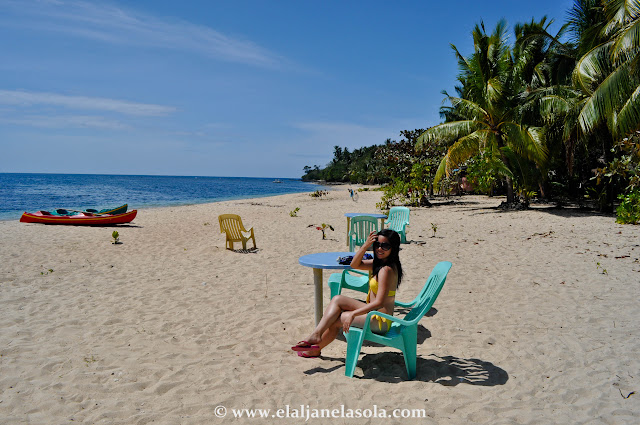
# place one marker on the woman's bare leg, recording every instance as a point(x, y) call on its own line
point(332, 331)
point(327, 337)
point(331, 318)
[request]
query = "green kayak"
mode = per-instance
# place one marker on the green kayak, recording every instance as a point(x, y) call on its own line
point(119, 210)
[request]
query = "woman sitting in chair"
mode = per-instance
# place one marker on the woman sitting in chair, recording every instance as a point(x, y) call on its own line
point(385, 275)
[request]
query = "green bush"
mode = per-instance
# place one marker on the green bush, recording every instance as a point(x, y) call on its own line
point(393, 194)
point(628, 211)
point(484, 174)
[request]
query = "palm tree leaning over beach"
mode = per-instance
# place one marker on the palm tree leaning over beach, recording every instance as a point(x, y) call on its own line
point(606, 80)
point(485, 118)
point(609, 73)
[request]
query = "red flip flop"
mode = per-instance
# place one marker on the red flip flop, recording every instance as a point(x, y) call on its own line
point(305, 346)
point(307, 356)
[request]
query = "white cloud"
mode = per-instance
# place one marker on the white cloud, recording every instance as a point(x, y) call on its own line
point(26, 99)
point(111, 24)
point(65, 121)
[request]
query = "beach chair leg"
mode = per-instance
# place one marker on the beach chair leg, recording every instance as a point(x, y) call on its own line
point(354, 338)
point(409, 352)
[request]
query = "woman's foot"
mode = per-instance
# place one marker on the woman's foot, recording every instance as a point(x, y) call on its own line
point(309, 354)
point(309, 344)
point(305, 346)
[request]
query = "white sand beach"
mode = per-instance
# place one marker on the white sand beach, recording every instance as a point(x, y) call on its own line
point(537, 322)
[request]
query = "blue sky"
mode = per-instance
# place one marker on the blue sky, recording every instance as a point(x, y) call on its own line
point(226, 88)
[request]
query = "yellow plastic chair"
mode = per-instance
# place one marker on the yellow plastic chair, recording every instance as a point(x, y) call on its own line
point(231, 225)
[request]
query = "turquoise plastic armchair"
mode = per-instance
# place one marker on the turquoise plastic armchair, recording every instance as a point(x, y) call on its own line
point(358, 282)
point(403, 333)
point(398, 220)
point(361, 226)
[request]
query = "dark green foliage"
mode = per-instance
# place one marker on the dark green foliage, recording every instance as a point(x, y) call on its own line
point(359, 166)
point(380, 164)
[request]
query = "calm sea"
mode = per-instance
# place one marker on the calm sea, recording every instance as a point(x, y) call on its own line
point(33, 192)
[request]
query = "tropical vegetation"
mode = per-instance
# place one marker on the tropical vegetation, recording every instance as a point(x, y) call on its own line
point(551, 115)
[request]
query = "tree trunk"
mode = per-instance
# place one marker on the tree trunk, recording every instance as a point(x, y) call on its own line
point(506, 162)
point(510, 197)
point(543, 193)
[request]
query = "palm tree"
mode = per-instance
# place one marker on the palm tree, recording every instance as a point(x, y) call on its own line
point(551, 100)
point(609, 73)
point(586, 22)
point(486, 115)
point(600, 104)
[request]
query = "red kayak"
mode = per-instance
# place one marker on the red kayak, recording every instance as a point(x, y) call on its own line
point(82, 219)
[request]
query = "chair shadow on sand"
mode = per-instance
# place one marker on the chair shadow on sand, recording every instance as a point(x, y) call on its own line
point(448, 370)
point(246, 251)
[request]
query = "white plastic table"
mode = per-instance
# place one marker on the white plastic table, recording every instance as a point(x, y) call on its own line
point(319, 261)
point(382, 217)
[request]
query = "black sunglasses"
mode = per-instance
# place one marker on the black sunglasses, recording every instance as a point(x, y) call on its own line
point(384, 245)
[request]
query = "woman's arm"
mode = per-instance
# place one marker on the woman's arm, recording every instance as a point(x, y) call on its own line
point(358, 263)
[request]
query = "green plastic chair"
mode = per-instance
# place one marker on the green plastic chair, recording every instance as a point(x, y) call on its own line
point(398, 220)
point(361, 226)
point(403, 333)
point(358, 282)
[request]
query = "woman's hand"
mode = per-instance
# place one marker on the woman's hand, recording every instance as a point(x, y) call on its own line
point(373, 236)
point(347, 319)
point(357, 262)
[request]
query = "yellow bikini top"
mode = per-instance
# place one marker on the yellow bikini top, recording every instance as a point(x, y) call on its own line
point(373, 287)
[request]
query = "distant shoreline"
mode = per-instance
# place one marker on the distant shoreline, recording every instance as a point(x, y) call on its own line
point(149, 175)
point(30, 192)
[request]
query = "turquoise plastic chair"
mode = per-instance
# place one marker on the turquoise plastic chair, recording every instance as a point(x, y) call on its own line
point(358, 282)
point(403, 333)
point(398, 220)
point(361, 227)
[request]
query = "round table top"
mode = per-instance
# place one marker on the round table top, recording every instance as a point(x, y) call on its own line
point(324, 260)
point(350, 215)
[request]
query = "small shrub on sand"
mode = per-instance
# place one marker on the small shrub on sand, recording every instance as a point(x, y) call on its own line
point(319, 193)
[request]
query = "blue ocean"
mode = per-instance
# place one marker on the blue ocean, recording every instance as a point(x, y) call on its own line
point(34, 192)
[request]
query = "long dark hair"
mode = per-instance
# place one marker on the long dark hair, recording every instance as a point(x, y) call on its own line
point(393, 259)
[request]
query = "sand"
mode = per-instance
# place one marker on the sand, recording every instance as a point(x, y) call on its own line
point(537, 323)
